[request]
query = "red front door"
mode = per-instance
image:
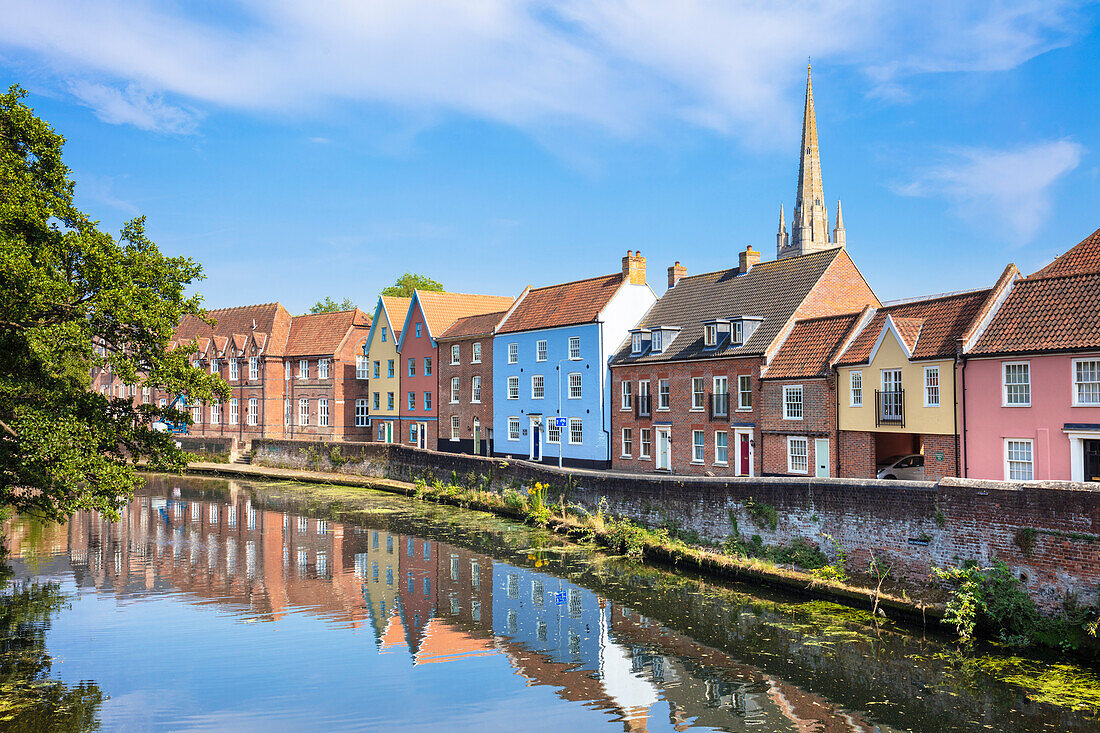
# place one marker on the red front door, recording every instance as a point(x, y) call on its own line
point(743, 454)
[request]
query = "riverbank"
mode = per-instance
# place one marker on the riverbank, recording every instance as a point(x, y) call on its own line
point(659, 546)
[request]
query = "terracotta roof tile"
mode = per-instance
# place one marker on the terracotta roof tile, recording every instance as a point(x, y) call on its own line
point(1049, 313)
point(479, 325)
point(1083, 258)
point(810, 347)
point(565, 304)
point(269, 318)
point(441, 310)
point(933, 324)
point(322, 333)
point(397, 308)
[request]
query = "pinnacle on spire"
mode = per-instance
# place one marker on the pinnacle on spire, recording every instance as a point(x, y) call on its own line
point(781, 236)
point(838, 230)
point(839, 216)
point(782, 221)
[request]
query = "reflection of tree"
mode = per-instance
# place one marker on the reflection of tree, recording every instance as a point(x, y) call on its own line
point(29, 700)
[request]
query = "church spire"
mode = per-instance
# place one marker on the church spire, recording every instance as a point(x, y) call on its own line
point(781, 236)
point(810, 223)
point(838, 230)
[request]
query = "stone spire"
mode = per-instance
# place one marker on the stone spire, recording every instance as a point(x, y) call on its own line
point(810, 225)
point(781, 236)
point(838, 230)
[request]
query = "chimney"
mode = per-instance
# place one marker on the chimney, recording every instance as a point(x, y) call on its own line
point(634, 268)
point(676, 272)
point(749, 258)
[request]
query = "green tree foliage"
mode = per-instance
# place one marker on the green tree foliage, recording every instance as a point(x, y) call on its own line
point(65, 288)
point(409, 282)
point(328, 305)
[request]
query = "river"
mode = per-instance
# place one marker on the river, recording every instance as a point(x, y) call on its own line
point(230, 605)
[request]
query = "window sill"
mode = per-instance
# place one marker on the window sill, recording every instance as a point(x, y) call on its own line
point(1027, 405)
point(800, 473)
point(698, 463)
point(644, 458)
point(475, 362)
point(626, 455)
point(475, 402)
point(453, 402)
point(793, 419)
point(743, 409)
point(722, 465)
point(664, 409)
point(696, 409)
point(572, 443)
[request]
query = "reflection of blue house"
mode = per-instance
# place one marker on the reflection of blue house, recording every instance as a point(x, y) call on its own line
point(548, 615)
point(550, 360)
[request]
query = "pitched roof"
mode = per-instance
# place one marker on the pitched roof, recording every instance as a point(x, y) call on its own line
point(1047, 313)
point(268, 318)
point(565, 304)
point(397, 309)
point(479, 325)
point(772, 290)
point(322, 333)
point(1083, 258)
point(441, 310)
point(809, 349)
point(929, 326)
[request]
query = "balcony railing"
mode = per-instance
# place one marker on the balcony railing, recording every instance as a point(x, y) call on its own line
point(890, 408)
point(643, 406)
point(719, 405)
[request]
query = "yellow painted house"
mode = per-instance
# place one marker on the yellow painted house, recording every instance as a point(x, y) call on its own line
point(384, 364)
point(896, 385)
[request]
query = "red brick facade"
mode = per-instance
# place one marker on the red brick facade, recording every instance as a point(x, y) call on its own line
point(860, 452)
point(818, 421)
point(841, 289)
point(857, 454)
point(462, 404)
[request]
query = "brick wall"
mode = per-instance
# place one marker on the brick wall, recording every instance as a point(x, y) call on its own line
point(841, 289)
point(465, 408)
point(857, 453)
point(818, 421)
point(932, 446)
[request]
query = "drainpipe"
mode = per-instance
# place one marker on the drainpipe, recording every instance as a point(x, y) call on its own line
point(836, 392)
point(605, 384)
point(960, 439)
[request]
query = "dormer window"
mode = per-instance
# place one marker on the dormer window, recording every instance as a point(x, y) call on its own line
point(656, 341)
point(737, 330)
point(710, 335)
point(636, 343)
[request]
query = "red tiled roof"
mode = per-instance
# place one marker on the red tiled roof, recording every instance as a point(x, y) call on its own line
point(397, 308)
point(480, 325)
point(566, 304)
point(441, 310)
point(269, 318)
point(810, 347)
point(322, 333)
point(1083, 258)
point(942, 319)
point(1047, 313)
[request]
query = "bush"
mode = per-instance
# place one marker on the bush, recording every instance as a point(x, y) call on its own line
point(990, 597)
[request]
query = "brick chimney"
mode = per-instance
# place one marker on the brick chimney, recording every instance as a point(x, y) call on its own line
point(676, 272)
point(748, 259)
point(634, 268)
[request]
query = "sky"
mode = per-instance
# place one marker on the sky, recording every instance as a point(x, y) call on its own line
point(304, 150)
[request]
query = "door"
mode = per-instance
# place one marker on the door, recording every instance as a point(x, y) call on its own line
point(388, 435)
point(1092, 460)
point(664, 448)
point(891, 395)
point(536, 439)
point(477, 437)
point(744, 453)
point(821, 457)
point(422, 436)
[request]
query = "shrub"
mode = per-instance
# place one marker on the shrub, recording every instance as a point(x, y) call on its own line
point(763, 515)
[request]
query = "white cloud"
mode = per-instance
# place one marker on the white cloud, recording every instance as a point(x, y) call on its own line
point(1008, 190)
point(134, 106)
point(620, 66)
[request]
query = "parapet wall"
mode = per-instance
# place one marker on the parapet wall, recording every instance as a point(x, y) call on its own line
point(1047, 532)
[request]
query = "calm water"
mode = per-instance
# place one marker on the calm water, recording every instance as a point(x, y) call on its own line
point(221, 605)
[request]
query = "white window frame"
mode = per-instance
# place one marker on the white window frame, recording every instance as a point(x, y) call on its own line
point(538, 387)
point(710, 335)
point(717, 460)
point(576, 386)
point(455, 428)
point(456, 354)
point(455, 387)
point(513, 428)
point(855, 388)
point(698, 446)
point(362, 367)
point(626, 396)
point(635, 343)
point(251, 415)
point(576, 422)
point(303, 412)
point(792, 467)
point(744, 392)
point(475, 390)
point(234, 411)
point(322, 412)
point(322, 368)
point(513, 352)
point(303, 369)
point(656, 342)
point(664, 395)
point(213, 366)
point(626, 443)
point(540, 350)
point(645, 442)
point(1005, 385)
point(234, 370)
point(930, 371)
point(475, 353)
point(791, 389)
point(253, 367)
point(361, 412)
point(1008, 460)
point(1076, 385)
point(513, 388)
point(215, 412)
point(553, 432)
point(698, 393)
point(574, 348)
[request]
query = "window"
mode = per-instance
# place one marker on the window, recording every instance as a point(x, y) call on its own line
point(454, 427)
point(513, 388)
point(744, 392)
point(513, 353)
point(628, 442)
point(698, 396)
point(721, 397)
point(576, 433)
point(636, 343)
point(376, 402)
point(1019, 463)
point(855, 389)
point(377, 370)
point(389, 401)
point(233, 411)
point(792, 402)
point(303, 411)
point(553, 432)
point(252, 411)
point(1086, 382)
point(383, 333)
point(798, 457)
point(322, 368)
point(418, 329)
point(145, 394)
point(656, 341)
point(710, 335)
point(162, 401)
point(286, 413)
point(646, 439)
point(427, 366)
point(664, 399)
point(253, 367)
point(1017, 384)
point(412, 400)
point(721, 448)
point(697, 448)
point(196, 414)
point(627, 397)
point(412, 439)
point(215, 412)
point(540, 350)
point(575, 386)
point(213, 366)
point(389, 368)
point(322, 412)
point(538, 390)
point(362, 367)
point(574, 347)
point(412, 367)
point(513, 428)
point(736, 331)
point(476, 357)
point(361, 413)
point(234, 370)
point(427, 401)
point(454, 390)
point(932, 386)
point(303, 369)
point(455, 354)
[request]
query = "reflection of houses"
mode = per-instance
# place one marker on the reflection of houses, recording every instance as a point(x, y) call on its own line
point(416, 594)
point(376, 568)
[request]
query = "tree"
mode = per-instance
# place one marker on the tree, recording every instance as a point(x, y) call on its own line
point(328, 305)
point(409, 282)
point(73, 299)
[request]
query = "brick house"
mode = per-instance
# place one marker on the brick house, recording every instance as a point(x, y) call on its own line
point(686, 384)
point(466, 385)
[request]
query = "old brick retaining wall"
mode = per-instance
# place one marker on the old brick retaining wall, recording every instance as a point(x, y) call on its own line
point(211, 448)
point(1047, 532)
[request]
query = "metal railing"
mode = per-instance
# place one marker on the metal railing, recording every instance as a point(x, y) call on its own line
point(890, 408)
point(719, 405)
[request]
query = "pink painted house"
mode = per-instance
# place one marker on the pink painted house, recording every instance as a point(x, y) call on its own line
point(1031, 379)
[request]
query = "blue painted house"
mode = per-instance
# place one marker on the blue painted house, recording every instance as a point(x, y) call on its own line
point(550, 360)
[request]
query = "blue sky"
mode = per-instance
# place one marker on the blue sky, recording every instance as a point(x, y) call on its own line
point(307, 150)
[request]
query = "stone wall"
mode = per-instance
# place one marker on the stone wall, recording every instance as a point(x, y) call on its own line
point(1046, 532)
point(212, 448)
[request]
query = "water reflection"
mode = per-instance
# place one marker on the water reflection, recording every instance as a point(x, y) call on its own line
point(434, 602)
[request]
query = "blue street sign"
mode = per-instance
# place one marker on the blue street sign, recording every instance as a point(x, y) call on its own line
point(561, 594)
point(560, 422)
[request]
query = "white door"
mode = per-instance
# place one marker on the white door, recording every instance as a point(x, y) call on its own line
point(821, 456)
point(664, 448)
